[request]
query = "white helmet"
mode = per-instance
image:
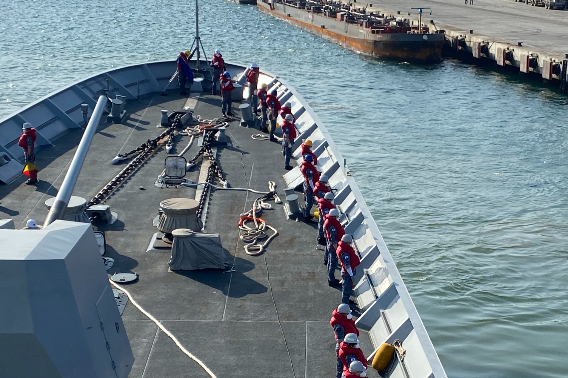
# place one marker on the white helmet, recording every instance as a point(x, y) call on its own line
point(288, 105)
point(324, 178)
point(31, 224)
point(351, 338)
point(344, 308)
point(254, 65)
point(289, 117)
point(333, 213)
point(217, 52)
point(328, 196)
point(27, 125)
point(347, 238)
point(356, 366)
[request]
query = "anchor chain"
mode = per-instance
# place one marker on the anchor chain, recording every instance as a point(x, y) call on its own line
point(144, 152)
point(213, 170)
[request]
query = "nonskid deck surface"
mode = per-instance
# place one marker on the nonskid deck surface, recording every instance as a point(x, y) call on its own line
point(270, 317)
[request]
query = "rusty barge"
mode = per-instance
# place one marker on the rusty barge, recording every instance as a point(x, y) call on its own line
point(375, 34)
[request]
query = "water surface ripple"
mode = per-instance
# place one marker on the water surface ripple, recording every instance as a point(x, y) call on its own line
point(464, 170)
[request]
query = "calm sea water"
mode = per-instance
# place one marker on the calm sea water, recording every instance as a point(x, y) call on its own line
point(464, 169)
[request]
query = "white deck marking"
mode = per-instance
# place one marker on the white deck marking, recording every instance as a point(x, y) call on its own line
point(136, 125)
point(237, 245)
point(306, 358)
point(150, 353)
point(191, 102)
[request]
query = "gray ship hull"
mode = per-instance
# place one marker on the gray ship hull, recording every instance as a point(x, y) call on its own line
point(270, 313)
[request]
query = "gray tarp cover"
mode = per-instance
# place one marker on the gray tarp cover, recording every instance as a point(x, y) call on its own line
point(192, 251)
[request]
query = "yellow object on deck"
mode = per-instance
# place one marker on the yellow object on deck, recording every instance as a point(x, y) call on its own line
point(277, 126)
point(317, 214)
point(383, 357)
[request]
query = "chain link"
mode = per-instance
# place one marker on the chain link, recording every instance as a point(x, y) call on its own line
point(144, 152)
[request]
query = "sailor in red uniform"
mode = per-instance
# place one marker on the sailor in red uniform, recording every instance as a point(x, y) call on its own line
point(273, 108)
point(261, 94)
point(321, 186)
point(311, 176)
point(333, 233)
point(252, 80)
point(325, 204)
point(227, 93)
point(218, 64)
point(287, 109)
point(349, 351)
point(27, 142)
point(289, 135)
point(342, 323)
point(349, 260)
point(356, 369)
point(306, 149)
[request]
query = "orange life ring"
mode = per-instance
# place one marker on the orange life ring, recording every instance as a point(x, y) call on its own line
point(249, 218)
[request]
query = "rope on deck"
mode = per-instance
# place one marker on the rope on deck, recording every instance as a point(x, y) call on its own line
point(164, 329)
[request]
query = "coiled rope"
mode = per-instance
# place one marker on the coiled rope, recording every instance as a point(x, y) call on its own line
point(397, 344)
point(251, 236)
point(164, 329)
point(260, 137)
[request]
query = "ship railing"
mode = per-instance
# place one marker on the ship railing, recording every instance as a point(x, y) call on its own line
point(387, 309)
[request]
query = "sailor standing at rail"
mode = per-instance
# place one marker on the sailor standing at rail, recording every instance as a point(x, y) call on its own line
point(287, 109)
point(356, 369)
point(273, 108)
point(252, 80)
point(321, 187)
point(349, 260)
point(27, 142)
point(218, 64)
point(227, 93)
point(311, 176)
point(184, 72)
point(349, 351)
point(342, 323)
point(288, 136)
point(261, 94)
point(306, 149)
point(333, 233)
point(325, 204)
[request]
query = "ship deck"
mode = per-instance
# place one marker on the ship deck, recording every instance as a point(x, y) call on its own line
point(268, 317)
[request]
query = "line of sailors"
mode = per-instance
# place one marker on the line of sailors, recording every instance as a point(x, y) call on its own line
point(351, 361)
point(223, 77)
point(260, 99)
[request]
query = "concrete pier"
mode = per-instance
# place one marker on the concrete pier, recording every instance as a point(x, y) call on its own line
point(492, 30)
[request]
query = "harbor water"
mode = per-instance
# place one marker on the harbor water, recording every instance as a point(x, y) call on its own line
point(464, 169)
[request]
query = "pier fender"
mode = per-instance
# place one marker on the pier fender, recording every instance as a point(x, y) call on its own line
point(547, 69)
point(564, 76)
point(476, 50)
point(383, 357)
point(500, 56)
point(524, 63)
